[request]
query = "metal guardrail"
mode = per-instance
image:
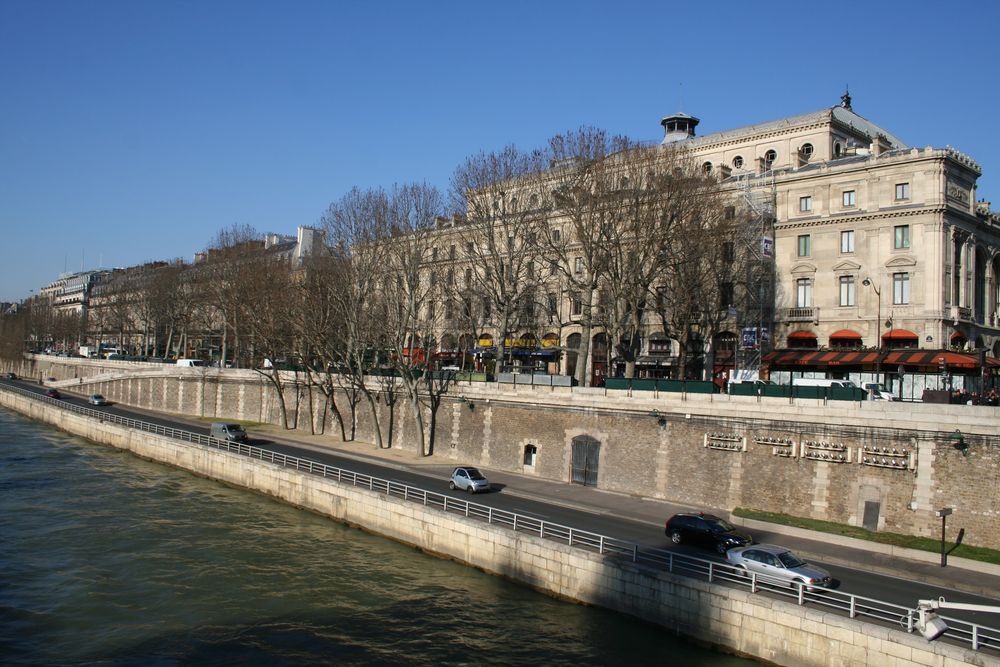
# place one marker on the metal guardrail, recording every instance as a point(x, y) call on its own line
point(977, 636)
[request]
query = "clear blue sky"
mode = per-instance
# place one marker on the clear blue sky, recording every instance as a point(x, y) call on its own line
point(133, 131)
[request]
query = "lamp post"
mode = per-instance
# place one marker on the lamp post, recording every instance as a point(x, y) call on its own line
point(878, 324)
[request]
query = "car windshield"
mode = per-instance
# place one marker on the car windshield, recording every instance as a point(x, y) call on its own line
point(721, 525)
point(97, 397)
point(475, 474)
point(236, 428)
point(790, 560)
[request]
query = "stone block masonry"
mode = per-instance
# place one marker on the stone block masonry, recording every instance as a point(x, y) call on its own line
point(733, 620)
point(884, 465)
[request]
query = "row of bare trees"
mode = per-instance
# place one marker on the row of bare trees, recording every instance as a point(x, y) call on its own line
point(594, 232)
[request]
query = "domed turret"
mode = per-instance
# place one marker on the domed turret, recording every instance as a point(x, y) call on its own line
point(678, 127)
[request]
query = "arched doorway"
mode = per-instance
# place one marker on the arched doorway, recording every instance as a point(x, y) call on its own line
point(586, 459)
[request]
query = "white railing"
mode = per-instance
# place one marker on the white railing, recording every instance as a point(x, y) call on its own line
point(979, 637)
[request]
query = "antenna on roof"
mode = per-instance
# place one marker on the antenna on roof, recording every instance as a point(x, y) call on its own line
point(680, 96)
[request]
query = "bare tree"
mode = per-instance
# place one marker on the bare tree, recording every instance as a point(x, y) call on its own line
point(220, 276)
point(501, 195)
point(574, 237)
point(412, 294)
point(357, 232)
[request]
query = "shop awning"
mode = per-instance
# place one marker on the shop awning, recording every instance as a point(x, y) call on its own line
point(899, 334)
point(802, 335)
point(927, 359)
point(845, 334)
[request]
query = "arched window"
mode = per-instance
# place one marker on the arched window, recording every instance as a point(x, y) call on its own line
point(738, 162)
point(707, 167)
point(770, 157)
point(837, 149)
point(805, 152)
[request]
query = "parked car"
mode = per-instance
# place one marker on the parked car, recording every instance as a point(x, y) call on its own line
point(225, 431)
point(11, 376)
point(780, 564)
point(705, 530)
point(469, 479)
point(53, 393)
point(877, 392)
point(97, 399)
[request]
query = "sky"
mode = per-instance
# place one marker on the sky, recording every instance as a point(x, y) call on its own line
point(136, 131)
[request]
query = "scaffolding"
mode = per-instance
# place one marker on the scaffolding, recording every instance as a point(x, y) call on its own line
point(755, 320)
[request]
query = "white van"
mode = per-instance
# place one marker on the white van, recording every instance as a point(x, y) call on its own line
point(190, 363)
point(822, 382)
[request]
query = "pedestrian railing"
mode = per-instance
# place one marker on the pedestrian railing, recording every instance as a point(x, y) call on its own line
point(979, 637)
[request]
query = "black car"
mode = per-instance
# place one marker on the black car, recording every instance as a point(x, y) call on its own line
point(53, 393)
point(11, 376)
point(705, 530)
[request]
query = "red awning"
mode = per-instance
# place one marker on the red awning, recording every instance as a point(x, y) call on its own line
point(957, 335)
point(928, 360)
point(845, 334)
point(899, 334)
point(802, 335)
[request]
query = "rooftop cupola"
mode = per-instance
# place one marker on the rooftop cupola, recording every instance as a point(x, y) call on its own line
point(678, 127)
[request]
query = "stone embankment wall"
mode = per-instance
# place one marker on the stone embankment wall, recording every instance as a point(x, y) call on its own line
point(885, 465)
point(734, 620)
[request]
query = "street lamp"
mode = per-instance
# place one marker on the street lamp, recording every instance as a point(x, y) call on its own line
point(878, 324)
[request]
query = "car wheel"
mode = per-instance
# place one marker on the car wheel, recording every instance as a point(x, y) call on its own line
point(451, 485)
point(471, 489)
point(675, 537)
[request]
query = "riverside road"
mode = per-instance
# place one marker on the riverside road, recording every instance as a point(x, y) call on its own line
point(858, 571)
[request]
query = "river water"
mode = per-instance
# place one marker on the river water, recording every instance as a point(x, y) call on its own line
point(108, 559)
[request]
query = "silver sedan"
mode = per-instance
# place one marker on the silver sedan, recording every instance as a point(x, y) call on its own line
point(779, 564)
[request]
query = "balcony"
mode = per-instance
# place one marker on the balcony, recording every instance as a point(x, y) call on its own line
point(807, 314)
point(960, 313)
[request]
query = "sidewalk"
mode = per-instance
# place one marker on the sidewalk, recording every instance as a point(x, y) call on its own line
point(966, 575)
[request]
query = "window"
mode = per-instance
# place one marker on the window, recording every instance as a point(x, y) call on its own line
point(770, 157)
point(849, 198)
point(553, 267)
point(837, 149)
point(900, 288)
point(902, 237)
point(434, 254)
point(451, 251)
point(847, 241)
point(730, 213)
point(449, 310)
point(510, 243)
point(805, 204)
point(530, 452)
point(738, 162)
point(803, 293)
point(804, 245)
point(470, 248)
point(902, 190)
point(556, 235)
point(487, 309)
point(577, 305)
point(553, 305)
point(430, 310)
point(434, 278)
point(578, 265)
point(728, 251)
point(531, 270)
point(806, 151)
point(726, 294)
point(468, 277)
point(451, 276)
point(707, 167)
point(847, 290)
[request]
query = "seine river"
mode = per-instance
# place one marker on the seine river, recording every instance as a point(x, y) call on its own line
point(107, 559)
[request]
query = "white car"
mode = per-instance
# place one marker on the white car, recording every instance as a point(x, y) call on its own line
point(97, 399)
point(467, 478)
point(877, 392)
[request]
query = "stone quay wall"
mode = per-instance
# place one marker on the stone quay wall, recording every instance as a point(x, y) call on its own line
point(731, 619)
point(887, 466)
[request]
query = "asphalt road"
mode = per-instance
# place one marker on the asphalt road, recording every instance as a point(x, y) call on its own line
point(896, 589)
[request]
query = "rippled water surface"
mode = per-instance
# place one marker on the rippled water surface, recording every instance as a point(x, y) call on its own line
point(108, 559)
